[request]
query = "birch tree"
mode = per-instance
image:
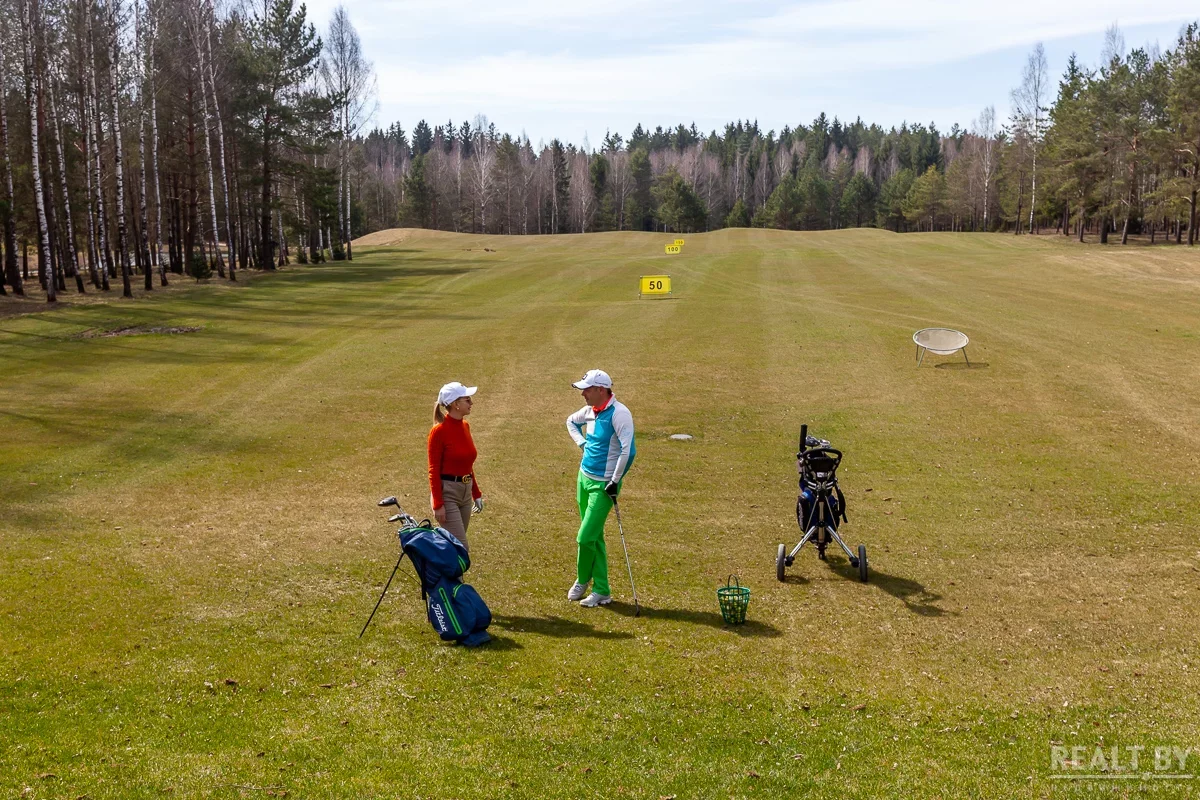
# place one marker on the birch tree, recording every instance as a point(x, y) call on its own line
point(1029, 106)
point(114, 81)
point(8, 211)
point(985, 132)
point(199, 32)
point(29, 23)
point(350, 83)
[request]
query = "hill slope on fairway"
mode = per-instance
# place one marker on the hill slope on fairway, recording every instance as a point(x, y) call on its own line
point(189, 541)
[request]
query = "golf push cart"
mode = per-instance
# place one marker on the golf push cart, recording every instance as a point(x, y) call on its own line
point(820, 505)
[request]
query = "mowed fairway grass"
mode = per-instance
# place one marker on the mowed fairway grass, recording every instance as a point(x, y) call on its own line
point(189, 542)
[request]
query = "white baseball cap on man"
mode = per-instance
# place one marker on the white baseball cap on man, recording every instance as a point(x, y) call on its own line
point(594, 377)
point(454, 390)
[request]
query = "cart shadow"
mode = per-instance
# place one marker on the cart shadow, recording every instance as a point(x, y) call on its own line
point(914, 595)
point(556, 627)
point(712, 619)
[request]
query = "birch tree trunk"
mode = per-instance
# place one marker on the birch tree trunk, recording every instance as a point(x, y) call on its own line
point(85, 117)
point(28, 21)
point(10, 228)
point(72, 265)
point(152, 89)
point(208, 164)
point(114, 76)
point(106, 266)
point(143, 217)
point(212, 80)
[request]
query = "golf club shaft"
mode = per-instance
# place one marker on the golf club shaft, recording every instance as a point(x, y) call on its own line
point(636, 608)
point(380, 600)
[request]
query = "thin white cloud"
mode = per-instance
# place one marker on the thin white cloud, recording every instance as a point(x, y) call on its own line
point(579, 62)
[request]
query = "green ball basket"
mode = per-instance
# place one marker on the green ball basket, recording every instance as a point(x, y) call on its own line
point(734, 598)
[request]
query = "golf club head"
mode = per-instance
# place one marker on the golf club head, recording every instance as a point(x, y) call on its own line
point(389, 501)
point(396, 517)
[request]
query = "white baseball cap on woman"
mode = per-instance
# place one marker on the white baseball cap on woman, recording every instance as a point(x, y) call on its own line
point(453, 391)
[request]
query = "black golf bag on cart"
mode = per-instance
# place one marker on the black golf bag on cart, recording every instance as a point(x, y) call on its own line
point(820, 506)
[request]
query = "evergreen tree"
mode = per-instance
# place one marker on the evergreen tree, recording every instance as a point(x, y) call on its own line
point(890, 206)
point(560, 182)
point(1071, 145)
point(678, 207)
point(282, 56)
point(923, 201)
point(1183, 102)
point(858, 201)
point(598, 175)
point(422, 138)
point(738, 216)
point(639, 210)
point(418, 202)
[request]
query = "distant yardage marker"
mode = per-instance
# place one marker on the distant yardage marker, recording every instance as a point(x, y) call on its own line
point(674, 248)
point(655, 285)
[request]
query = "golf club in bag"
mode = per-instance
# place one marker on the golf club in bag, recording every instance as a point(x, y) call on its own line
point(637, 609)
point(455, 609)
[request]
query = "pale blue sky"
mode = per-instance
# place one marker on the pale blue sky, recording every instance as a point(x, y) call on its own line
point(566, 69)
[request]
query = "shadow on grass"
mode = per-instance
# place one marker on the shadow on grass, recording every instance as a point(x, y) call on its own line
point(500, 643)
point(960, 365)
point(914, 595)
point(710, 618)
point(557, 627)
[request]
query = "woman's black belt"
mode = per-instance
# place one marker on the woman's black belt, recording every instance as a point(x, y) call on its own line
point(457, 478)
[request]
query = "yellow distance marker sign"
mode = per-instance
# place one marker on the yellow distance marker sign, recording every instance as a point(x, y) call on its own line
point(656, 284)
point(674, 248)
point(679, 242)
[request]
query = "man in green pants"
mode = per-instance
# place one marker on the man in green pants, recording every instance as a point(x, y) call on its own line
point(604, 430)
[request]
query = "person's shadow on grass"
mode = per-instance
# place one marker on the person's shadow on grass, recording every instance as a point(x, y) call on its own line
point(710, 618)
point(557, 627)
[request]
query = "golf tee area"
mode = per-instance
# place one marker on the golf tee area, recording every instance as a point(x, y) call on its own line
point(190, 542)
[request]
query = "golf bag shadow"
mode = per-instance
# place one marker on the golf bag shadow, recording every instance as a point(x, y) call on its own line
point(455, 609)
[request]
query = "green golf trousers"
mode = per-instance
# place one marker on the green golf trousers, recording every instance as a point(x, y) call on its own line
point(592, 564)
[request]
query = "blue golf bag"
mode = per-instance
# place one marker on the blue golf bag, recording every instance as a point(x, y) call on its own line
point(455, 609)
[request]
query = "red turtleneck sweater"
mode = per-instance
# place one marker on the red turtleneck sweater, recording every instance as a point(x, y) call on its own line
point(451, 452)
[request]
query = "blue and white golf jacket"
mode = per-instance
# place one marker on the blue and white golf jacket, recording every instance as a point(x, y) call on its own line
point(606, 438)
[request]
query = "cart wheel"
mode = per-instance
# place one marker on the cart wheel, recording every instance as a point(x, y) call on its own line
point(862, 563)
point(780, 562)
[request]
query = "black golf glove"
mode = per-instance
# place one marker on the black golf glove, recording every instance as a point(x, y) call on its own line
point(612, 488)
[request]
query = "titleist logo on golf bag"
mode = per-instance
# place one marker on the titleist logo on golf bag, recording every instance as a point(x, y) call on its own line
point(455, 609)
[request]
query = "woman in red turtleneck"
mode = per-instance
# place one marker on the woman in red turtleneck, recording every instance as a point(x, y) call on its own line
point(452, 487)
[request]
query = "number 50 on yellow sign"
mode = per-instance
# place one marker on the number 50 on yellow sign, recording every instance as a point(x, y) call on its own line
point(656, 284)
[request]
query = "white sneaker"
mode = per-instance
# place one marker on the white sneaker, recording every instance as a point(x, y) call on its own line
point(593, 600)
point(577, 592)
